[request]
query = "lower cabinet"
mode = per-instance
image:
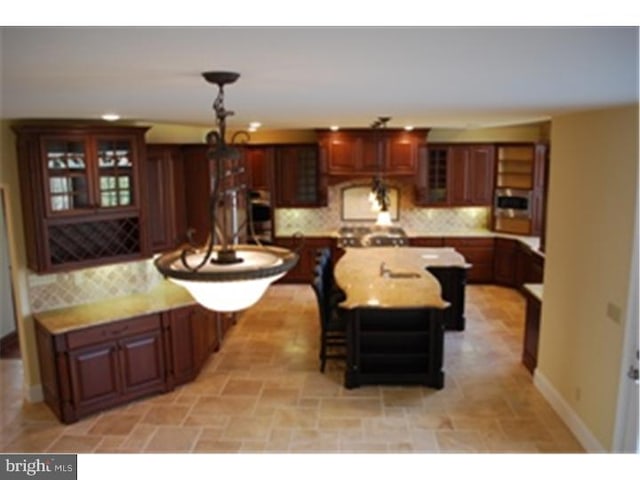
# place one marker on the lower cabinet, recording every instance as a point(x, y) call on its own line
point(395, 346)
point(303, 271)
point(531, 331)
point(91, 369)
point(478, 251)
point(453, 281)
point(505, 261)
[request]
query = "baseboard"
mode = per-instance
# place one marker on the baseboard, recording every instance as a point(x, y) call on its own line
point(567, 414)
point(33, 393)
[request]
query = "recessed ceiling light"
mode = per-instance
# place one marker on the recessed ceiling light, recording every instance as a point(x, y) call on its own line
point(254, 125)
point(334, 128)
point(408, 128)
point(111, 117)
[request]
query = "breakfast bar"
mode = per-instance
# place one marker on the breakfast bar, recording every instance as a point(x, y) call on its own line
point(395, 314)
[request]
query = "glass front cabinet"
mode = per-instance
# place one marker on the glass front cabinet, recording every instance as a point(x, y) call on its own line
point(81, 192)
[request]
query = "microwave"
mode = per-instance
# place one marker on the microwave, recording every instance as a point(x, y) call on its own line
point(512, 203)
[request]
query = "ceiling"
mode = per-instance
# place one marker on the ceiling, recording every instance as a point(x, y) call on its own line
point(309, 77)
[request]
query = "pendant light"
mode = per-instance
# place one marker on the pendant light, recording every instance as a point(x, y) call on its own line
point(225, 275)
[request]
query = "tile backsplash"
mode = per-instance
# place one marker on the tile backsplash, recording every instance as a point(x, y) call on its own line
point(414, 219)
point(47, 292)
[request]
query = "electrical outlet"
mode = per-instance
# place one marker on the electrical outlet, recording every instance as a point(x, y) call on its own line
point(614, 312)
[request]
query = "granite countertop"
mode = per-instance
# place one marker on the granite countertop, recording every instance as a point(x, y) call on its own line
point(535, 289)
point(164, 296)
point(364, 286)
point(531, 242)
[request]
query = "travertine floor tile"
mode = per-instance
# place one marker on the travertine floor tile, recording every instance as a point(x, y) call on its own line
point(263, 392)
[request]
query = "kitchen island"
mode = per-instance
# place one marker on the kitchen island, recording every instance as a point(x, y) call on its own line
point(395, 314)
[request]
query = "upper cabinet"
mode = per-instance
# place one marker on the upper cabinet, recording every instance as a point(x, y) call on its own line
point(82, 196)
point(259, 164)
point(300, 179)
point(368, 152)
point(455, 175)
point(165, 197)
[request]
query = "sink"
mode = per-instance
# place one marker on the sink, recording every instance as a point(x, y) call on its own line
point(403, 275)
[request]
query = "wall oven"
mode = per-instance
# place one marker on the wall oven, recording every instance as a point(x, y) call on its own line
point(512, 203)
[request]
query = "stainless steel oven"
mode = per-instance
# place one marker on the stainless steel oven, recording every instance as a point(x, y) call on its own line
point(512, 203)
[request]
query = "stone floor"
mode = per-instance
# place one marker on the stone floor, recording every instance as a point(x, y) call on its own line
point(263, 393)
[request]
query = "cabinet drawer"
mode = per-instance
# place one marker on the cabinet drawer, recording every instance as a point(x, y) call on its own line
point(469, 242)
point(113, 330)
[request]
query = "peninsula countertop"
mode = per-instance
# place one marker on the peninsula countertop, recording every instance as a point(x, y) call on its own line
point(163, 296)
point(394, 277)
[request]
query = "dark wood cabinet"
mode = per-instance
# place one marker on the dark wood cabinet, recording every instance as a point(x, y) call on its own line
point(87, 370)
point(531, 331)
point(303, 271)
point(91, 369)
point(429, 242)
point(455, 175)
point(395, 346)
point(259, 164)
point(82, 195)
point(299, 177)
point(453, 281)
point(504, 265)
point(165, 197)
point(355, 152)
point(199, 171)
point(477, 251)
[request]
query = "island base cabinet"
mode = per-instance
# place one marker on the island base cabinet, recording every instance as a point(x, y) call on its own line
point(395, 346)
point(453, 281)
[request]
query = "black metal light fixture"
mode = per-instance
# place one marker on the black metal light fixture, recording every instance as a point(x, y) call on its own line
point(379, 195)
point(225, 275)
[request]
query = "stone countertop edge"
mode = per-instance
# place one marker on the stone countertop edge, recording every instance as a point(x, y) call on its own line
point(535, 289)
point(162, 297)
point(532, 242)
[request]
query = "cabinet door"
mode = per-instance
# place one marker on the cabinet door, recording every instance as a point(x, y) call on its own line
point(402, 154)
point(142, 363)
point(181, 333)
point(95, 377)
point(165, 197)
point(505, 262)
point(298, 177)
point(199, 171)
point(459, 165)
point(68, 182)
point(117, 185)
point(259, 161)
point(481, 174)
point(531, 333)
point(479, 252)
point(342, 151)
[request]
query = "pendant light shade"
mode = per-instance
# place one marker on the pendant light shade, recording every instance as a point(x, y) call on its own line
point(224, 275)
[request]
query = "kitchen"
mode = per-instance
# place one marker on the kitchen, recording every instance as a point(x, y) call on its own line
point(574, 184)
